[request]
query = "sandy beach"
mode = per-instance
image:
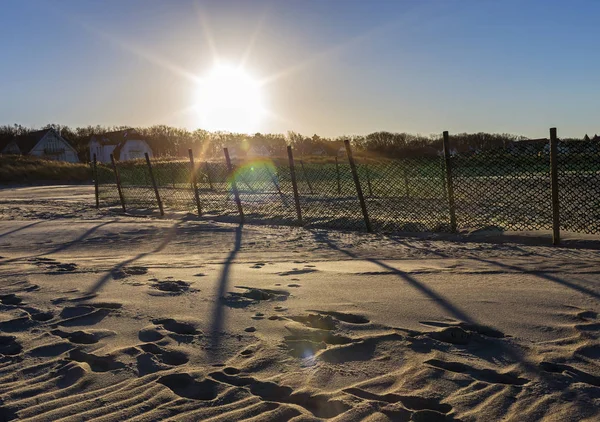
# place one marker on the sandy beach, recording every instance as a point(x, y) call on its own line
point(111, 317)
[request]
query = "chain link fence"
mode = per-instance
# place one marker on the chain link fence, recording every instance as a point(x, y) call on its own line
point(406, 195)
point(501, 189)
point(579, 186)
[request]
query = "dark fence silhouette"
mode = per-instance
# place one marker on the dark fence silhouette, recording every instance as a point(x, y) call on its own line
point(505, 189)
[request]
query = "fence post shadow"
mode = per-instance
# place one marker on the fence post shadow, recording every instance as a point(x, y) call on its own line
point(171, 232)
point(217, 319)
point(234, 186)
point(118, 181)
point(154, 185)
point(443, 302)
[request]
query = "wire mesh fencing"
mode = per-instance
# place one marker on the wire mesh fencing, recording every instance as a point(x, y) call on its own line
point(136, 184)
point(327, 195)
point(501, 189)
point(215, 191)
point(108, 194)
point(174, 183)
point(265, 191)
point(406, 195)
point(579, 186)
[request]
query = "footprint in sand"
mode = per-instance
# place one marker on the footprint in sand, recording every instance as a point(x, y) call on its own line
point(96, 363)
point(10, 299)
point(88, 314)
point(173, 287)
point(318, 405)
point(83, 337)
point(157, 359)
point(252, 296)
point(184, 385)
point(183, 332)
point(9, 346)
point(125, 272)
point(54, 266)
point(150, 334)
point(294, 285)
point(485, 375)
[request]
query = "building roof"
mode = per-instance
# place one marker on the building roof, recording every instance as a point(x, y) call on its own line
point(4, 142)
point(28, 141)
point(117, 137)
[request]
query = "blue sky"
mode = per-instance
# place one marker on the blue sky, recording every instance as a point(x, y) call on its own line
point(332, 67)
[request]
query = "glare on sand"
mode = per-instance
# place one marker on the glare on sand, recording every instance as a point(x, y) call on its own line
point(229, 99)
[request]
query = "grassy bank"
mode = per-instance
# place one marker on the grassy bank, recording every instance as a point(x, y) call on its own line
point(25, 169)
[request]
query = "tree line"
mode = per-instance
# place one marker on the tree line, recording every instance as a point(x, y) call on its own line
point(175, 142)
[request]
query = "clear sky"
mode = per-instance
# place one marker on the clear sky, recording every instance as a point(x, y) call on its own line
point(332, 67)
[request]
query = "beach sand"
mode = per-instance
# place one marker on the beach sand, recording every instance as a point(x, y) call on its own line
point(108, 317)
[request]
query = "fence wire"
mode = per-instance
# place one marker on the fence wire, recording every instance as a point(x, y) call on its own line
point(108, 195)
point(579, 186)
point(498, 190)
point(266, 192)
point(328, 195)
point(492, 189)
point(215, 190)
point(406, 195)
point(174, 182)
point(136, 185)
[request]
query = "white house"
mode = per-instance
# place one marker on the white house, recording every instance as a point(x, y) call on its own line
point(123, 144)
point(46, 143)
point(319, 150)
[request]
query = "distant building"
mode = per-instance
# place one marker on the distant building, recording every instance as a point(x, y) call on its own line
point(258, 151)
point(528, 146)
point(235, 153)
point(453, 152)
point(46, 143)
point(319, 150)
point(125, 145)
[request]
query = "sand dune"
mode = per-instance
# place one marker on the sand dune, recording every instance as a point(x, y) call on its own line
point(111, 318)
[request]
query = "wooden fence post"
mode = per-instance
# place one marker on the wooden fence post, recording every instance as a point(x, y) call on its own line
point(95, 175)
point(306, 177)
point(193, 180)
point(449, 182)
point(554, 182)
point(361, 198)
point(294, 185)
point(337, 172)
point(236, 194)
point(153, 180)
point(118, 180)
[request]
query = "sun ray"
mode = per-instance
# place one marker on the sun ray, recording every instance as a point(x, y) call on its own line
point(133, 48)
point(253, 38)
point(207, 32)
point(407, 19)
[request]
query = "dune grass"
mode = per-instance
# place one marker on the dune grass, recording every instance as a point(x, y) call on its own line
point(26, 169)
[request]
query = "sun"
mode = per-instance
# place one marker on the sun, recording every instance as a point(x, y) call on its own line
point(229, 99)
